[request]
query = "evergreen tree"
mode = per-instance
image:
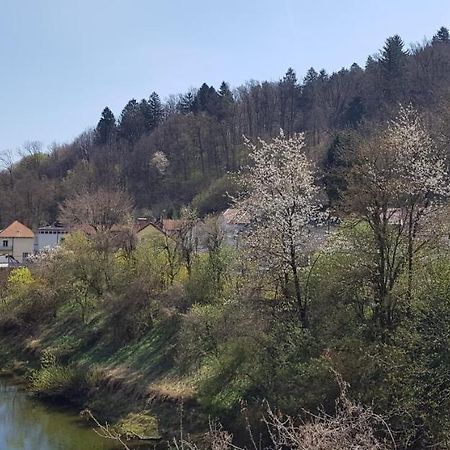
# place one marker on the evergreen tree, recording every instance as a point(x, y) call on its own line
point(206, 100)
point(354, 112)
point(156, 110)
point(393, 56)
point(106, 127)
point(186, 104)
point(310, 76)
point(132, 122)
point(146, 113)
point(392, 61)
point(442, 35)
point(225, 101)
point(288, 100)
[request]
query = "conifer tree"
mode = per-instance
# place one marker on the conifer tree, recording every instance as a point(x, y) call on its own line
point(156, 110)
point(442, 35)
point(131, 123)
point(392, 61)
point(106, 127)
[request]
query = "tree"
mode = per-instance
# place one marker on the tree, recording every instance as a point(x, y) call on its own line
point(102, 210)
point(106, 127)
point(288, 97)
point(226, 102)
point(131, 124)
point(395, 185)
point(442, 35)
point(392, 61)
point(156, 110)
point(281, 203)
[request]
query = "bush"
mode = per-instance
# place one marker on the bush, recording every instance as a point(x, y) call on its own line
point(56, 381)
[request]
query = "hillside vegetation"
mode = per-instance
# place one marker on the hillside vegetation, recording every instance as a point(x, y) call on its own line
point(200, 133)
point(327, 326)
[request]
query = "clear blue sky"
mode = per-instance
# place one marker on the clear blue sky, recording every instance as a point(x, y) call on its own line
point(64, 60)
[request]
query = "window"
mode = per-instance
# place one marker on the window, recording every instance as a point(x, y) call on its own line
point(25, 256)
point(5, 243)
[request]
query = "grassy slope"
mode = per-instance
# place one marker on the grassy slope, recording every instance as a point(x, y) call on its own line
point(133, 378)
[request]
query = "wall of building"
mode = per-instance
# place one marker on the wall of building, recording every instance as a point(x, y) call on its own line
point(21, 246)
point(48, 240)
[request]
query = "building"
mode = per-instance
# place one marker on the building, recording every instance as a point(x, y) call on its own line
point(49, 237)
point(232, 224)
point(148, 230)
point(16, 244)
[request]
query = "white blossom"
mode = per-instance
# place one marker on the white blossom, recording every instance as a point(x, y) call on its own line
point(160, 161)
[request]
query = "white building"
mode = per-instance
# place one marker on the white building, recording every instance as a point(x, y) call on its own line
point(49, 237)
point(232, 224)
point(16, 244)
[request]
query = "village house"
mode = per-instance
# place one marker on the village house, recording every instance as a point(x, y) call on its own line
point(49, 237)
point(148, 230)
point(232, 224)
point(16, 244)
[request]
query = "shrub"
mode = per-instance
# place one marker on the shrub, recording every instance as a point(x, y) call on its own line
point(54, 380)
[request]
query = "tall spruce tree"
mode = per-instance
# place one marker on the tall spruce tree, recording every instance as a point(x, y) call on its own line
point(392, 60)
point(131, 124)
point(156, 110)
point(288, 99)
point(225, 101)
point(106, 127)
point(442, 35)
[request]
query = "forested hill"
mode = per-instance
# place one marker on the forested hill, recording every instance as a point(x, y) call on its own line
point(174, 153)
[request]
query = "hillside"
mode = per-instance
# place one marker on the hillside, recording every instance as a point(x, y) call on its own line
point(199, 134)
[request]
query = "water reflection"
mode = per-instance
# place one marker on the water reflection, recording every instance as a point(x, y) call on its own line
point(29, 425)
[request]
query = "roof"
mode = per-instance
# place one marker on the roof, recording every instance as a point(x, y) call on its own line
point(148, 224)
point(169, 225)
point(233, 216)
point(16, 230)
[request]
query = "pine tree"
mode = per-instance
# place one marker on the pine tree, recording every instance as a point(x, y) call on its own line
point(106, 127)
point(310, 76)
point(186, 104)
point(146, 113)
point(442, 35)
point(225, 101)
point(288, 99)
point(132, 121)
point(156, 110)
point(206, 100)
point(392, 61)
point(393, 56)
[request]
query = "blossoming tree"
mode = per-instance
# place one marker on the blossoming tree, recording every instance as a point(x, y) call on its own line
point(397, 186)
point(281, 201)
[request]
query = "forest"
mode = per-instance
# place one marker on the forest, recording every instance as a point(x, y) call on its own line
point(327, 327)
point(201, 133)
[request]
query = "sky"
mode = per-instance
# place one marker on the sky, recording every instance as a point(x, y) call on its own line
point(63, 61)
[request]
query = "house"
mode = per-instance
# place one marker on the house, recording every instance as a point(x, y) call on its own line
point(148, 230)
point(172, 226)
point(50, 236)
point(232, 224)
point(16, 244)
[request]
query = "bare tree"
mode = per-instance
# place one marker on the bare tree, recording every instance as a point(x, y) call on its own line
point(102, 210)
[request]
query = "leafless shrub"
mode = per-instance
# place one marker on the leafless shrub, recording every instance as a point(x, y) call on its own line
point(104, 431)
point(351, 428)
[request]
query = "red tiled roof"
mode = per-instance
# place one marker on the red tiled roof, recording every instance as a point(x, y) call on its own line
point(172, 225)
point(16, 230)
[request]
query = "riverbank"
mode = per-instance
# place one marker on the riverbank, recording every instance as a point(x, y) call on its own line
point(135, 386)
point(26, 423)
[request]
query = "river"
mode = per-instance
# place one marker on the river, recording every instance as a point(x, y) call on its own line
point(27, 424)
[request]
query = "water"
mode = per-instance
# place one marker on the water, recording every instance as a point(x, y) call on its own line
point(26, 424)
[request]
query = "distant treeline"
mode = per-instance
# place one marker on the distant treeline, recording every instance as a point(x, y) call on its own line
point(201, 133)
